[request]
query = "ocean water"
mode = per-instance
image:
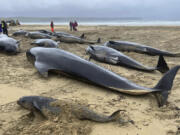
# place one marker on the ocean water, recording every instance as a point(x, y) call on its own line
point(96, 21)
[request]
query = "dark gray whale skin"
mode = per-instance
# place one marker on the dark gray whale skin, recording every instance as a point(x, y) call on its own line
point(54, 33)
point(45, 43)
point(112, 56)
point(46, 32)
point(139, 48)
point(38, 35)
point(58, 34)
point(9, 45)
point(48, 59)
point(39, 103)
point(20, 33)
point(74, 39)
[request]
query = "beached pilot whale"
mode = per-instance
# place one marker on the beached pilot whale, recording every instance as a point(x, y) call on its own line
point(38, 35)
point(20, 33)
point(74, 39)
point(9, 45)
point(41, 104)
point(46, 32)
point(59, 34)
point(139, 48)
point(54, 33)
point(53, 59)
point(45, 43)
point(112, 56)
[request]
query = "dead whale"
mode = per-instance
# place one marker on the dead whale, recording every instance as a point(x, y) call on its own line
point(139, 48)
point(38, 35)
point(53, 59)
point(9, 45)
point(58, 34)
point(45, 43)
point(42, 104)
point(46, 32)
point(112, 56)
point(20, 33)
point(74, 39)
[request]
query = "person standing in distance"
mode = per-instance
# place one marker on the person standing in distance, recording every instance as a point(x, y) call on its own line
point(4, 27)
point(52, 26)
point(71, 25)
point(75, 24)
point(0, 28)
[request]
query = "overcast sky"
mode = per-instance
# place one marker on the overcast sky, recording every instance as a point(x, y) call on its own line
point(148, 9)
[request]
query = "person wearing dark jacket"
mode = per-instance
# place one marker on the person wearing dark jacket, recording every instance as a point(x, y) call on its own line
point(71, 25)
point(75, 24)
point(0, 28)
point(4, 27)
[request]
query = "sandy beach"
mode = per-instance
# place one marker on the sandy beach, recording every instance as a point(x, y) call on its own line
point(18, 78)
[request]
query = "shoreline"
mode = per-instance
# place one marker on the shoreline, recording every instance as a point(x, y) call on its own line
point(111, 23)
point(65, 27)
point(95, 24)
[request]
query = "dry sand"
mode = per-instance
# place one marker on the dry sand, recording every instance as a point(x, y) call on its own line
point(19, 78)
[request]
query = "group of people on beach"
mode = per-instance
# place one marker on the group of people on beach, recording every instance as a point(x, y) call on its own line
point(72, 25)
point(3, 27)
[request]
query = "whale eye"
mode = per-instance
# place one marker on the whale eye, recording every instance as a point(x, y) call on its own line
point(22, 101)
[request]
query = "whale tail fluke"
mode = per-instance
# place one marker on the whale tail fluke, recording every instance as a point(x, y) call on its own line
point(162, 65)
point(164, 85)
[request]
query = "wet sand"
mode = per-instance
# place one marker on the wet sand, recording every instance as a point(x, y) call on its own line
point(18, 78)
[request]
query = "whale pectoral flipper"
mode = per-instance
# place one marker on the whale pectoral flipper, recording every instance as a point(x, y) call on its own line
point(38, 109)
point(43, 70)
point(164, 86)
point(162, 65)
point(112, 59)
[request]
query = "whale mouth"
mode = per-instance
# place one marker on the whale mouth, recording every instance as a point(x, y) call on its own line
point(30, 57)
